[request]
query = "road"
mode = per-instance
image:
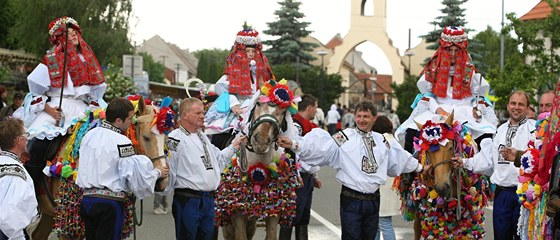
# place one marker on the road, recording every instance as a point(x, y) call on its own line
point(324, 225)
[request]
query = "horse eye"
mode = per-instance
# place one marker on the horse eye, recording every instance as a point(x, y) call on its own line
point(147, 139)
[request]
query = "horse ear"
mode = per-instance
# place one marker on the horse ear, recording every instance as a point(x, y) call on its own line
point(418, 125)
point(141, 105)
point(449, 120)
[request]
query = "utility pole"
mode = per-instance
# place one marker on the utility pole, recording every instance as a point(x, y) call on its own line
point(502, 40)
point(177, 75)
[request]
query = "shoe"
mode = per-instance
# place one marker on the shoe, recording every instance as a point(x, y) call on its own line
point(166, 210)
point(159, 211)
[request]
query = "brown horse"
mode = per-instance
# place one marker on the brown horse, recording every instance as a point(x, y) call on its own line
point(60, 199)
point(448, 203)
point(259, 184)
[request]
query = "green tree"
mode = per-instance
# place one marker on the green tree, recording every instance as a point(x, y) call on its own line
point(326, 87)
point(211, 64)
point(405, 93)
point(540, 40)
point(288, 47)
point(454, 15)
point(155, 70)
point(7, 18)
point(104, 25)
point(117, 84)
point(490, 49)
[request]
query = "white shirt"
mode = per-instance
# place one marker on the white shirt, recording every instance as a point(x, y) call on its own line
point(107, 160)
point(347, 155)
point(491, 163)
point(188, 165)
point(18, 205)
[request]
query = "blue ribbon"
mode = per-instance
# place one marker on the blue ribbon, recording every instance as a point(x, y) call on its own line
point(419, 97)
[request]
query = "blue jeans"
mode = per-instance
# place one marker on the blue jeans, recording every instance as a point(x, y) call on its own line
point(386, 227)
point(194, 217)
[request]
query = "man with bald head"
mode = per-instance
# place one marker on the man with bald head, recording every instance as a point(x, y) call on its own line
point(546, 101)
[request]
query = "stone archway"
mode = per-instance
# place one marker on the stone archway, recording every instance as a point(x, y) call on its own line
point(362, 29)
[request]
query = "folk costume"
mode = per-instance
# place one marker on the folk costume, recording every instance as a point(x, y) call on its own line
point(503, 173)
point(109, 171)
point(17, 197)
point(242, 78)
point(195, 166)
point(83, 90)
point(363, 160)
point(453, 87)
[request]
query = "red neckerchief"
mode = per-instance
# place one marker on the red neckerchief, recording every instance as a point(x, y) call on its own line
point(306, 125)
point(437, 71)
point(238, 71)
point(81, 73)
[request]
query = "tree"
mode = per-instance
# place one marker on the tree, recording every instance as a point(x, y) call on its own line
point(155, 70)
point(453, 16)
point(326, 87)
point(7, 18)
point(211, 64)
point(104, 25)
point(288, 47)
point(405, 93)
point(540, 41)
point(117, 84)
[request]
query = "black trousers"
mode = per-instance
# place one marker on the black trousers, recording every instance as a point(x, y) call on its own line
point(103, 218)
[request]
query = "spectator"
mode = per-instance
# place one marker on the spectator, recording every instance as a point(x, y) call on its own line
point(319, 118)
point(348, 120)
point(395, 121)
point(333, 117)
point(17, 100)
point(3, 97)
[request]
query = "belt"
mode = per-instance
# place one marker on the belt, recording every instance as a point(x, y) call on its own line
point(187, 192)
point(105, 193)
point(304, 175)
point(359, 195)
point(500, 188)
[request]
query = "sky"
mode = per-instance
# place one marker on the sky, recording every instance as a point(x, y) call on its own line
point(197, 25)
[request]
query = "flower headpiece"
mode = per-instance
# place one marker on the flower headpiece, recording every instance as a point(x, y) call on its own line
point(56, 26)
point(432, 135)
point(164, 118)
point(248, 37)
point(454, 34)
point(279, 93)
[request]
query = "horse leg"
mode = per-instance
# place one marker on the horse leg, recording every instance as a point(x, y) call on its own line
point(228, 231)
point(251, 228)
point(417, 227)
point(46, 222)
point(239, 223)
point(271, 228)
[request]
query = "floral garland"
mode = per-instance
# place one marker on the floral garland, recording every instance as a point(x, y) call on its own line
point(265, 191)
point(533, 222)
point(280, 94)
point(439, 218)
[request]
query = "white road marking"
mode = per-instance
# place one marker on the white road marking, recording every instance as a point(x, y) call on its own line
point(327, 224)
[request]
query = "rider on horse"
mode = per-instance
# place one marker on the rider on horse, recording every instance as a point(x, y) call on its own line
point(450, 82)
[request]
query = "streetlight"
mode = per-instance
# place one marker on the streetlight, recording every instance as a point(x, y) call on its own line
point(409, 54)
point(322, 53)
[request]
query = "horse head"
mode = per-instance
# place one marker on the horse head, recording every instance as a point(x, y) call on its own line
point(149, 132)
point(438, 142)
point(268, 117)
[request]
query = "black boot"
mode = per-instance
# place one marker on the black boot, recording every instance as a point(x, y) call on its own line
point(301, 232)
point(285, 233)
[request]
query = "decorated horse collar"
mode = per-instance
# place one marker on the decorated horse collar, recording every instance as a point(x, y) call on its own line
point(10, 155)
point(110, 126)
point(433, 135)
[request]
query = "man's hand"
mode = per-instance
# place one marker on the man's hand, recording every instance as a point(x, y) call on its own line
point(317, 183)
point(508, 153)
point(425, 169)
point(457, 162)
point(238, 140)
point(237, 110)
point(284, 142)
point(442, 112)
point(53, 112)
point(164, 171)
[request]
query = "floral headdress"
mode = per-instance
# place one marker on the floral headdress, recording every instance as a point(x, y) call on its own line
point(56, 27)
point(279, 93)
point(432, 135)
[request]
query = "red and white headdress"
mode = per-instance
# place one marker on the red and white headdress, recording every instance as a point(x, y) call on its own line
point(437, 69)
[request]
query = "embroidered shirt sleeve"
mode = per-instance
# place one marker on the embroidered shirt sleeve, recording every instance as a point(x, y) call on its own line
point(172, 143)
point(340, 138)
point(125, 150)
point(12, 170)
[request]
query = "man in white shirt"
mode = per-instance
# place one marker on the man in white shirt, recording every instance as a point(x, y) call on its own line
point(109, 170)
point(491, 161)
point(363, 160)
point(18, 206)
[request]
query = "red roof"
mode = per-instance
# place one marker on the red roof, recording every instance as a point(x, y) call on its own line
point(539, 11)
